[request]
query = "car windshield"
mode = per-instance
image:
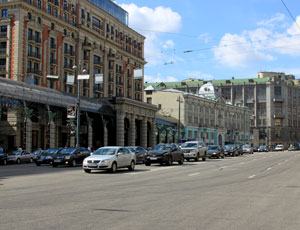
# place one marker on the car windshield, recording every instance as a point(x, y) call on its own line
point(279, 146)
point(36, 152)
point(189, 145)
point(132, 149)
point(246, 147)
point(212, 147)
point(50, 151)
point(67, 151)
point(262, 147)
point(162, 147)
point(229, 147)
point(17, 153)
point(105, 151)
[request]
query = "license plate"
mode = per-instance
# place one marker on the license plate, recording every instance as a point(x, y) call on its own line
point(92, 165)
point(153, 158)
point(56, 160)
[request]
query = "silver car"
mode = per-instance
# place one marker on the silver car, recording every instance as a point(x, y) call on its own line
point(110, 158)
point(194, 150)
point(20, 156)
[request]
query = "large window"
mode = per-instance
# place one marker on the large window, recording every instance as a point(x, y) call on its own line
point(277, 91)
point(96, 22)
point(262, 108)
point(226, 92)
point(261, 92)
point(249, 92)
point(4, 13)
point(238, 93)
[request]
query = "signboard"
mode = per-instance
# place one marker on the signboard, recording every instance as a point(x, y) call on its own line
point(71, 111)
point(83, 77)
point(52, 77)
point(70, 79)
point(138, 74)
point(98, 78)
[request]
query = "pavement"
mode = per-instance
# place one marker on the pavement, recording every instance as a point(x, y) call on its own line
point(249, 192)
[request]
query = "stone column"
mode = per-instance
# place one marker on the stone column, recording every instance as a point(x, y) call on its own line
point(152, 134)
point(144, 133)
point(52, 135)
point(105, 132)
point(29, 135)
point(120, 128)
point(90, 131)
point(132, 131)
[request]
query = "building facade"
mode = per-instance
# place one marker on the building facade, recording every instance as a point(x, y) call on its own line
point(46, 45)
point(202, 117)
point(273, 98)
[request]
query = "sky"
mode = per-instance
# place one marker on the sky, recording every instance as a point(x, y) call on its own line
point(216, 39)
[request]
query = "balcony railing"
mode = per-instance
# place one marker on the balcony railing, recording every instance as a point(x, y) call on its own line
point(53, 61)
point(35, 39)
point(96, 62)
point(120, 83)
point(110, 79)
point(98, 88)
point(34, 71)
point(34, 54)
point(68, 66)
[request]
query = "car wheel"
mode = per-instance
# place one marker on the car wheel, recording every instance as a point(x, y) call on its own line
point(54, 165)
point(113, 167)
point(38, 164)
point(73, 163)
point(170, 161)
point(87, 170)
point(31, 160)
point(131, 167)
point(18, 161)
point(197, 157)
point(181, 160)
point(147, 163)
point(203, 158)
point(4, 162)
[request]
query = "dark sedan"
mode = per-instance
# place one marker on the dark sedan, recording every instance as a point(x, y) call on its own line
point(70, 156)
point(3, 158)
point(46, 157)
point(262, 148)
point(230, 150)
point(214, 151)
point(164, 153)
point(140, 153)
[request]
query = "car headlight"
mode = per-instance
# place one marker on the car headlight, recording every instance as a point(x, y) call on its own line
point(105, 162)
point(194, 151)
point(67, 157)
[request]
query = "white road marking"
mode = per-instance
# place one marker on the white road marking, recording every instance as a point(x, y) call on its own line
point(194, 174)
point(286, 160)
point(242, 163)
point(279, 163)
point(269, 169)
point(250, 177)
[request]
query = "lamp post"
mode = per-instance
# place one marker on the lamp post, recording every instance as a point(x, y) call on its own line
point(79, 77)
point(179, 128)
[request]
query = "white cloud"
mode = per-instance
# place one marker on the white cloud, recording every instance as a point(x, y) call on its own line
point(199, 75)
point(148, 22)
point(159, 78)
point(261, 44)
point(205, 37)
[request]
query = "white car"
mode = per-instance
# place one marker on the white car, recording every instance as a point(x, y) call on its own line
point(194, 150)
point(110, 158)
point(279, 148)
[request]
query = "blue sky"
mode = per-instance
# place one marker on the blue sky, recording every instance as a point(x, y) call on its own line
point(228, 38)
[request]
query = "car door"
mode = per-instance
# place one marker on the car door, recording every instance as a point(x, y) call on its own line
point(127, 157)
point(121, 158)
point(25, 156)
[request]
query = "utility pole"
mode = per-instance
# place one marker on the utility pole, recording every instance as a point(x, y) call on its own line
point(179, 111)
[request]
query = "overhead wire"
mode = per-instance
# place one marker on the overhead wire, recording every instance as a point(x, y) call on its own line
point(291, 15)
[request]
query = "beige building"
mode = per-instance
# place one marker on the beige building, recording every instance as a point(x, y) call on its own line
point(273, 98)
point(206, 117)
point(45, 40)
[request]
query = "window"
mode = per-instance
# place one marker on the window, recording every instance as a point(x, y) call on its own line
point(96, 22)
point(149, 100)
point(261, 92)
point(39, 20)
point(55, 13)
point(36, 81)
point(29, 16)
point(49, 10)
point(4, 13)
point(249, 92)
point(3, 29)
point(82, 13)
point(262, 108)
point(65, 17)
point(277, 91)
point(38, 4)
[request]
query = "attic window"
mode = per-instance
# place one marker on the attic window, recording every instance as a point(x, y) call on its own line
point(228, 81)
point(251, 80)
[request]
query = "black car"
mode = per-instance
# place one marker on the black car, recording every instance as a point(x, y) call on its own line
point(3, 158)
point(140, 153)
point(164, 153)
point(230, 150)
point(70, 156)
point(255, 148)
point(46, 156)
point(214, 151)
point(262, 148)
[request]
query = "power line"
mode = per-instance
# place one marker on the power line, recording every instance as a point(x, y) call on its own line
point(290, 14)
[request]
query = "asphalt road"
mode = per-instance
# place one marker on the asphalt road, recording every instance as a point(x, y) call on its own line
point(259, 191)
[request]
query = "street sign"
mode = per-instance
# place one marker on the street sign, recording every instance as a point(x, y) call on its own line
point(71, 111)
point(83, 77)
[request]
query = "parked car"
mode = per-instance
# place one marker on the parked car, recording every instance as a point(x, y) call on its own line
point(70, 156)
point(46, 156)
point(279, 148)
point(194, 150)
point(292, 148)
point(20, 156)
point(230, 150)
point(262, 148)
point(247, 149)
point(140, 153)
point(3, 158)
point(110, 158)
point(215, 151)
point(37, 153)
point(255, 148)
point(164, 153)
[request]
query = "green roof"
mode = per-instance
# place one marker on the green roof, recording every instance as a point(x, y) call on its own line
point(195, 83)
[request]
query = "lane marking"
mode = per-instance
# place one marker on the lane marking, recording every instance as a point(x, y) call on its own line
point(250, 177)
point(286, 160)
point(279, 163)
point(242, 163)
point(194, 174)
point(269, 169)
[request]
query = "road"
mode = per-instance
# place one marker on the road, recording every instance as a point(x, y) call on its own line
point(250, 192)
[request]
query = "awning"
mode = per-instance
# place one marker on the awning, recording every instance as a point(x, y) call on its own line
point(42, 95)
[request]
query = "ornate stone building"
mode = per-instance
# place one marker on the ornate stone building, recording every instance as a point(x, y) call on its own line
point(46, 45)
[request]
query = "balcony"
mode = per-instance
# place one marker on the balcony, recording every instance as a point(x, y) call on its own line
point(34, 71)
point(111, 55)
point(53, 46)
point(110, 79)
point(68, 66)
point(34, 39)
point(2, 68)
point(3, 34)
point(98, 87)
point(120, 95)
point(97, 62)
point(87, 45)
point(53, 61)
point(119, 83)
point(34, 55)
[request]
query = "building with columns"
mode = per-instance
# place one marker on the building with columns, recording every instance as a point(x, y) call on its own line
point(204, 116)
point(45, 46)
point(272, 97)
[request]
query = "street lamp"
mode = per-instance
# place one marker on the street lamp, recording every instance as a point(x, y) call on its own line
point(79, 77)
